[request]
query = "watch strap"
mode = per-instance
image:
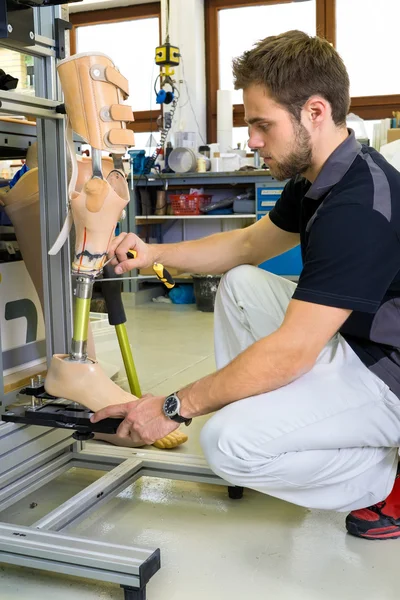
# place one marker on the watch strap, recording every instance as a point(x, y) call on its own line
point(180, 419)
point(177, 417)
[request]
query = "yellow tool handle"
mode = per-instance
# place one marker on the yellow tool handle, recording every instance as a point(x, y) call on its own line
point(162, 273)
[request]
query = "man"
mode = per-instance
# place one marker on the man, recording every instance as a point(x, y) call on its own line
point(308, 381)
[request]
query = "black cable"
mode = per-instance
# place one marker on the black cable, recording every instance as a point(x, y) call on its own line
point(155, 82)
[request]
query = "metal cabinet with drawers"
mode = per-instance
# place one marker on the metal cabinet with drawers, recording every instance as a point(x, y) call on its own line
point(288, 264)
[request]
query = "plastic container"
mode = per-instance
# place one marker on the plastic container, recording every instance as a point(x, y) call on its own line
point(216, 163)
point(358, 125)
point(201, 165)
point(230, 162)
point(185, 139)
point(205, 150)
point(205, 291)
point(257, 161)
point(189, 204)
point(183, 160)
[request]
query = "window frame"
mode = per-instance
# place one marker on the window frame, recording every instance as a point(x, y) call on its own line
point(145, 119)
point(367, 107)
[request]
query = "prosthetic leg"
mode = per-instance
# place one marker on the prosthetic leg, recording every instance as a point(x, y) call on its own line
point(93, 92)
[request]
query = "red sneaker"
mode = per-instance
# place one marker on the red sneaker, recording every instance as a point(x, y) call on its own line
point(380, 521)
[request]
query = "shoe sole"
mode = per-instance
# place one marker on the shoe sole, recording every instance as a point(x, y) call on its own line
point(353, 530)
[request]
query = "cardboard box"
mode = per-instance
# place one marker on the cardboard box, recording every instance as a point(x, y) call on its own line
point(393, 135)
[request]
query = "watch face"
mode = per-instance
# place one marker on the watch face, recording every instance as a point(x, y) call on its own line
point(171, 406)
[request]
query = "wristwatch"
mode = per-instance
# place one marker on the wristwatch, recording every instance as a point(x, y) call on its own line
point(172, 407)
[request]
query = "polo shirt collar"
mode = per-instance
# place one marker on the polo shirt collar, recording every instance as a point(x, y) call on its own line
point(335, 168)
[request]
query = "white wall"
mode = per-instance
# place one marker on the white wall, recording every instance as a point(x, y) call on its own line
point(186, 30)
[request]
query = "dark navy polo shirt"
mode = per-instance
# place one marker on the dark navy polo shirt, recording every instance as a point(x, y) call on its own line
point(349, 225)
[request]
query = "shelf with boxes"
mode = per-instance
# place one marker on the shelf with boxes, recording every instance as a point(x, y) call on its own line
point(170, 195)
point(142, 217)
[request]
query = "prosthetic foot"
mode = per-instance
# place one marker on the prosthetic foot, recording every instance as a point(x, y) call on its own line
point(93, 93)
point(83, 382)
point(174, 439)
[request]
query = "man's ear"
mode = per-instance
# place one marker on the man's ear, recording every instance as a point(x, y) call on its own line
point(316, 110)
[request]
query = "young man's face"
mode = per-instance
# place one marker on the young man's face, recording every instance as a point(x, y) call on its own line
point(284, 144)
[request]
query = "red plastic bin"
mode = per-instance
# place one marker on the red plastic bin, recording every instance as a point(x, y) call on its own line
point(189, 204)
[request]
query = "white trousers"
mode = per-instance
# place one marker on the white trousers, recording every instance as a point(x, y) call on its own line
point(328, 440)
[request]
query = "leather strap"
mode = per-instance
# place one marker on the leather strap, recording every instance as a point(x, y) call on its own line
point(63, 235)
point(110, 75)
point(113, 76)
point(120, 137)
point(66, 228)
point(121, 112)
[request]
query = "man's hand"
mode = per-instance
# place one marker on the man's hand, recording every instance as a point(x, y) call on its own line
point(120, 246)
point(144, 421)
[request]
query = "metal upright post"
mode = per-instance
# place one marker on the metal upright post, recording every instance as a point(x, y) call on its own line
point(53, 194)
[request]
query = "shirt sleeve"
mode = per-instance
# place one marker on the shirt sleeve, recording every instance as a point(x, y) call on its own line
point(286, 212)
point(353, 255)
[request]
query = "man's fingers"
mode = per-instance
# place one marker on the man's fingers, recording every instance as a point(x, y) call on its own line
point(116, 410)
point(127, 265)
point(124, 429)
point(129, 242)
point(115, 243)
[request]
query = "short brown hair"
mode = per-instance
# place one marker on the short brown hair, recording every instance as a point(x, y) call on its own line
point(293, 67)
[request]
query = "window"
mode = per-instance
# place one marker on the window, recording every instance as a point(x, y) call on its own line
point(143, 38)
point(19, 66)
point(367, 40)
point(129, 35)
point(147, 141)
point(256, 23)
point(240, 135)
